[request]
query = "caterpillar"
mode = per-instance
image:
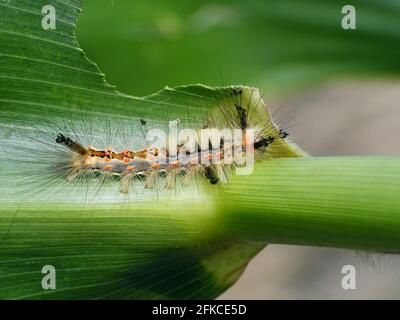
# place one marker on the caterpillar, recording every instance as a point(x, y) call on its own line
point(233, 136)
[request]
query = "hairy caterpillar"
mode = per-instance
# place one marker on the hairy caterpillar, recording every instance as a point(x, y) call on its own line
point(80, 153)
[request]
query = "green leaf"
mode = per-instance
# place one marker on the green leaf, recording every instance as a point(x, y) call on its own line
point(191, 245)
point(141, 250)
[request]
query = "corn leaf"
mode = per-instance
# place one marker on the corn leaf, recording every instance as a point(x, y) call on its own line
point(191, 245)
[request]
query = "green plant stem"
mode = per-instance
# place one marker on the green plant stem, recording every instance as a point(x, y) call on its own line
point(348, 202)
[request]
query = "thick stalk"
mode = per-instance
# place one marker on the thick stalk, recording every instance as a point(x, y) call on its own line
point(349, 202)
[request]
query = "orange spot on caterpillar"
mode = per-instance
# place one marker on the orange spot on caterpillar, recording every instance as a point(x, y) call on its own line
point(108, 168)
point(207, 156)
point(174, 164)
point(125, 153)
point(127, 160)
point(155, 166)
point(130, 168)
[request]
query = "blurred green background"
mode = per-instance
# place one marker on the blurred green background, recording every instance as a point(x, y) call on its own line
point(342, 86)
point(279, 46)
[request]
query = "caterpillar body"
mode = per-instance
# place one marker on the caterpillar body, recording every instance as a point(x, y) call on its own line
point(79, 155)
